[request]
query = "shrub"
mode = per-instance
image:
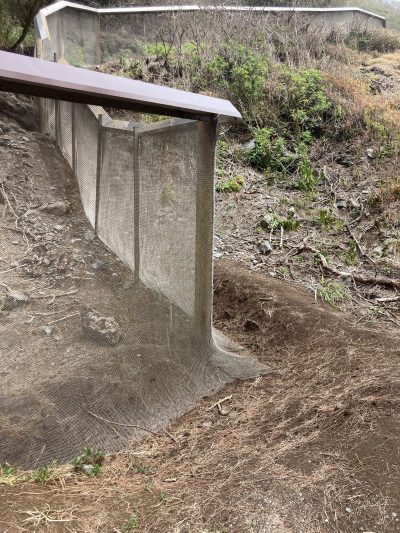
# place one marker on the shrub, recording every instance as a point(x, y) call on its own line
point(305, 103)
point(270, 151)
point(239, 71)
point(89, 462)
point(332, 292)
point(382, 41)
point(234, 184)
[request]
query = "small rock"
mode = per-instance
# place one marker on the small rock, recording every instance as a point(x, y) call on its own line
point(207, 424)
point(101, 329)
point(15, 243)
point(89, 235)
point(12, 299)
point(266, 247)
point(58, 227)
point(341, 204)
point(370, 153)
point(98, 265)
point(250, 325)
point(48, 330)
point(57, 208)
point(348, 510)
point(265, 221)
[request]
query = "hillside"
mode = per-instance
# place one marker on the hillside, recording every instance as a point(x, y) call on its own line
point(307, 188)
point(311, 447)
point(307, 277)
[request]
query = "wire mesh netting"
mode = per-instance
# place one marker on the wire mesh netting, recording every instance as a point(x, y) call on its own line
point(113, 336)
point(130, 351)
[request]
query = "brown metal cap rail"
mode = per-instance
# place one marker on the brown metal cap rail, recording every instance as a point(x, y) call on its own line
point(35, 77)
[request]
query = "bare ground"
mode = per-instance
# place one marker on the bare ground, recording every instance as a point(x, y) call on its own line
point(312, 447)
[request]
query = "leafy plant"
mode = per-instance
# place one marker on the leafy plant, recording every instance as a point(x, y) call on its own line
point(239, 71)
point(327, 218)
point(130, 525)
point(376, 41)
point(89, 462)
point(163, 495)
point(144, 469)
point(149, 485)
point(8, 474)
point(351, 257)
point(270, 152)
point(304, 103)
point(43, 474)
point(234, 184)
point(332, 292)
point(273, 221)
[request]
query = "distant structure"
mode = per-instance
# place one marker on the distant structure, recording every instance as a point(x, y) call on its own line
point(85, 36)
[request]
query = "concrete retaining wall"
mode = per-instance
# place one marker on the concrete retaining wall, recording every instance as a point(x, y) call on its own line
point(85, 36)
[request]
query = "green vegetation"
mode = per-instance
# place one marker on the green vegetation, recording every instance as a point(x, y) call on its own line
point(44, 474)
point(16, 23)
point(130, 525)
point(144, 469)
point(332, 292)
point(89, 462)
point(328, 220)
point(273, 221)
point(234, 184)
point(238, 72)
point(351, 257)
point(378, 41)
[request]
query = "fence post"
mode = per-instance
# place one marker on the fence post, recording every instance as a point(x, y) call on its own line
point(73, 131)
point(98, 170)
point(57, 122)
point(136, 207)
point(206, 139)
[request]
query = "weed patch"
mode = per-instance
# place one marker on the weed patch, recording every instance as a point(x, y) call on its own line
point(89, 462)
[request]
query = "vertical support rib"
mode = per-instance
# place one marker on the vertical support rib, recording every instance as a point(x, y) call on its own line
point(73, 132)
point(136, 207)
point(40, 101)
point(206, 139)
point(98, 170)
point(57, 121)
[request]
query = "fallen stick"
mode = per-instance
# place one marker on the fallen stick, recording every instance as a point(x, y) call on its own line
point(124, 425)
point(63, 318)
point(218, 403)
point(387, 300)
point(42, 296)
point(358, 245)
point(360, 278)
point(133, 426)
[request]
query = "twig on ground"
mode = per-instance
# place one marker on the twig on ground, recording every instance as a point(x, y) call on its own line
point(125, 425)
point(358, 245)
point(219, 402)
point(360, 278)
point(59, 295)
point(387, 300)
point(63, 318)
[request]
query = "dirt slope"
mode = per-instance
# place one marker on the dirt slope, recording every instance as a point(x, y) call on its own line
point(313, 447)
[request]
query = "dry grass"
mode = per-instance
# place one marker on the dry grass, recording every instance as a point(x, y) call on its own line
point(295, 450)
